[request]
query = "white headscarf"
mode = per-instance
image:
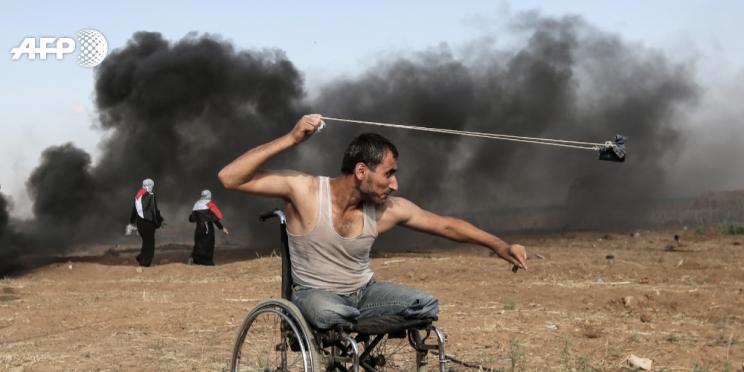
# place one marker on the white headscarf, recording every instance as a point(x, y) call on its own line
point(148, 184)
point(201, 204)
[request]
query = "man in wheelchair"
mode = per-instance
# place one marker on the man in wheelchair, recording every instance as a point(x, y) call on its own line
point(333, 222)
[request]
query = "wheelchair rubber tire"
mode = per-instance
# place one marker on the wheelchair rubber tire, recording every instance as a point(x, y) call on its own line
point(284, 311)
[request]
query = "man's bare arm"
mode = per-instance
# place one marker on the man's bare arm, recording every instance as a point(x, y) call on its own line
point(243, 173)
point(412, 216)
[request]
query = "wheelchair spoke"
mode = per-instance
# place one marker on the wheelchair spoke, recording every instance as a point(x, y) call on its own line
point(392, 354)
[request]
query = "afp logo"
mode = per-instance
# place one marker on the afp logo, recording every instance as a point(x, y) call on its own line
point(91, 44)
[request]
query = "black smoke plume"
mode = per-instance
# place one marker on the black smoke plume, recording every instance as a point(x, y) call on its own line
point(11, 242)
point(4, 217)
point(568, 81)
point(64, 194)
point(9, 252)
point(177, 112)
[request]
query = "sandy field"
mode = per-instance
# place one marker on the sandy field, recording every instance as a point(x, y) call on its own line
point(679, 304)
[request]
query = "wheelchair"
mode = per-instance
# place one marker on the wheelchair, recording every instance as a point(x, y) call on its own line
point(275, 336)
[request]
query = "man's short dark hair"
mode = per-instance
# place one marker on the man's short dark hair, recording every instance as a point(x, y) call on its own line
point(367, 148)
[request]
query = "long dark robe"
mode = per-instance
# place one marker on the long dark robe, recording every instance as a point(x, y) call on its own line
point(146, 227)
point(206, 220)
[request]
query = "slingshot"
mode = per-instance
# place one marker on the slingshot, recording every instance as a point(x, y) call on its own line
point(609, 150)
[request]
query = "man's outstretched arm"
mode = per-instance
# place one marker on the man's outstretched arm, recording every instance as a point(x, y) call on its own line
point(243, 173)
point(408, 214)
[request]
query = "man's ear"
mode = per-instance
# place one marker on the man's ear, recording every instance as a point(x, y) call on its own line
point(360, 170)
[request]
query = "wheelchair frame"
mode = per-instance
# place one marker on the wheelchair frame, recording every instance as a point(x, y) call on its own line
point(337, 349)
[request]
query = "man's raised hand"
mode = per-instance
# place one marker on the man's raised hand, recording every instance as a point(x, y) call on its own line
point(305, 128)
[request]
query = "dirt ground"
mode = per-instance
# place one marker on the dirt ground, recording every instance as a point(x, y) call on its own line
point(575, 309)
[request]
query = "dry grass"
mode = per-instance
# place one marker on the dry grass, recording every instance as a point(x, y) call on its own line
point(566, 314)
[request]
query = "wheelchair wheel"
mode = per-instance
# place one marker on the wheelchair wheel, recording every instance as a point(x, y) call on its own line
point(275, 337)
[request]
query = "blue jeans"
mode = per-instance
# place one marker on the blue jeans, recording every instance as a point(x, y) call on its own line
point(324, 309)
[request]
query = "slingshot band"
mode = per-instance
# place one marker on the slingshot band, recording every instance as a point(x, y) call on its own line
point(541, 141)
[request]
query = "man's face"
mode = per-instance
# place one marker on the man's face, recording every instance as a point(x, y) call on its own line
point(380, 182)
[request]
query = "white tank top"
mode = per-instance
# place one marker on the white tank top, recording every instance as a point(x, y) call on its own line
point(324, 259)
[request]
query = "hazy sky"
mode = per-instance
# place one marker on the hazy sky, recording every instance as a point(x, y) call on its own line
point(50, 102)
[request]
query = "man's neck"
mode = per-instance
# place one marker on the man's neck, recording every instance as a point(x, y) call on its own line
point(344, 193)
